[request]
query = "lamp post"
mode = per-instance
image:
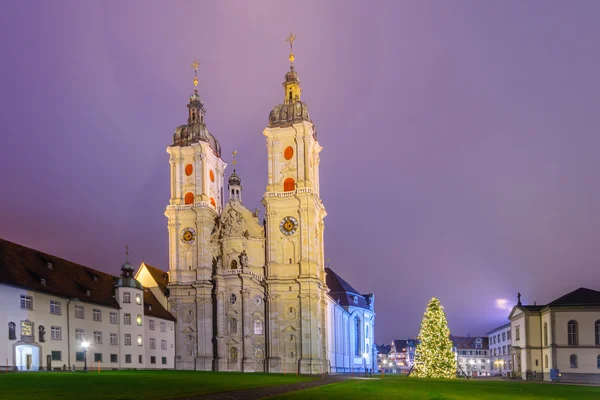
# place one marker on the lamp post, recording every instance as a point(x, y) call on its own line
point(85, 346)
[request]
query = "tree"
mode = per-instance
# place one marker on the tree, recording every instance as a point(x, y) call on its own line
point(434, 357)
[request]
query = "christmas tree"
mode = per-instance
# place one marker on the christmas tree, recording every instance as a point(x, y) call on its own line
point(434, 357)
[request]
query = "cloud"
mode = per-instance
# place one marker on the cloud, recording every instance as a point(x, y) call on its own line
point(503, 304)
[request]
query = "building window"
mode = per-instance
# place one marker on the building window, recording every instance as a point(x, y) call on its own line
point(572, 333)
point(126, 297)
point(79, 312)
point(113, 339)
point(189, 198)
point(503, 336)
point(127, 319)
point(163, 344)
point(289, 185)
point(79, 335)
point(367, 331)
point(56, 356)
point(545, 334)
point(138, 299)
point(232, 298)
point(139, 340)
point(55, 333)
point(258, 327)
point(151, 324)
point(357, 337)
point(163, 327)
point(232, 325)
point(546, 361)
point(113, 318)
point(517, 333)
point(164, 360)
point(26, 302)
point(54, 307)
point(139, 320)
point(140, 359)
point(97, 357)
point(598, 361)
point(127, 358)
point(597, 328)
point(79, 356)
point(152, 343)
point(508, 335)
point(573, 360)
point(97, 314)
point(128, 339)
point(97, 337)
point(152, 360)
point(114, 358)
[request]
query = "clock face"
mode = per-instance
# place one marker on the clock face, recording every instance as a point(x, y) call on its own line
point(288, 225)
point(188, 236)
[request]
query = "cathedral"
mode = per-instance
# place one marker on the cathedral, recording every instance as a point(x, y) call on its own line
point(251, 295)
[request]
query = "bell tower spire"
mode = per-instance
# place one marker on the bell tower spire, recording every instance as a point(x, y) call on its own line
point(195, 106)
point(292, 83)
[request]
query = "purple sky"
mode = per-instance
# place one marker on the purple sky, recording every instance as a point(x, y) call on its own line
point(460, 138)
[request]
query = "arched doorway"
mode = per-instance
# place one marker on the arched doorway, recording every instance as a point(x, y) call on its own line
point(26, 356)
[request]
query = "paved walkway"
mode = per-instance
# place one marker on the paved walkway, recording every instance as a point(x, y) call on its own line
point(262, 392)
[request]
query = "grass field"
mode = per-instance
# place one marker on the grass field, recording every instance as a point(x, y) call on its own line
point(400, 388)
point(122, 385)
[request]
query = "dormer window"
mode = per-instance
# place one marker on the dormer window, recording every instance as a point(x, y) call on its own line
point(95, 278)
point(88, 292)
point(49, 265)
point(355, 299)
point(43, 282)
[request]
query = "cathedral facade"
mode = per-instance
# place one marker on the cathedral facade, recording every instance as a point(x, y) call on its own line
point(251, 295)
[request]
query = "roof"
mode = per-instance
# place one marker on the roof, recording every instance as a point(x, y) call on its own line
point(342, 292)
point(468, 342)
point(400, 345)
point(24, 267)
point(579, 297)
point(153, 308)
point(161, 277)
point(383, 348)
point(499, 328)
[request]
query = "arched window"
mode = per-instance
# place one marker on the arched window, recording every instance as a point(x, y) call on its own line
point(546, 361)
point(189, 198)
point(258, 327)
point(290, 94)
point(357, 336)
point(573, 360)
point(289, 185)
point(367, 331)
point(598, 362)
point(597, 328)
point(545, 334)
point(288, 153)
point(213, 203)
point(572, 333)
point(233, 354)
point(189, 169)
point(211, 175)
point(233, 325)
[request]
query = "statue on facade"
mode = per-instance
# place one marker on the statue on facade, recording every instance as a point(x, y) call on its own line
point(244, 259)
point(11, 331)
point(42, 333)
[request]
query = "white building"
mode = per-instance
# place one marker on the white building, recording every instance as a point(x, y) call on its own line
point(563, 335)
point(51, 306)
point(499, 341)
point(472, 355)
point(252, 295)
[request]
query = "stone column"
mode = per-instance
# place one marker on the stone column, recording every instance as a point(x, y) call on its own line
point(204, 322)
point(221, 356)
point(273, 338)
point(247, 355)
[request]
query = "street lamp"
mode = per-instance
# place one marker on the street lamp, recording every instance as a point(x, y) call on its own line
point(85, 346)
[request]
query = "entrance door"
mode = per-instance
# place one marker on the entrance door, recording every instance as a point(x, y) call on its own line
point(28, 361)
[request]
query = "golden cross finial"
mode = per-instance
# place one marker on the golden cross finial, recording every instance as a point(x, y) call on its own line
point(233, 154)
point(127, 252)
point(195, 65)
point(290, 39)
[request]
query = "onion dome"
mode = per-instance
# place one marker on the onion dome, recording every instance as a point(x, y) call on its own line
point(195, 130)
point(127, 279)
point(234, 179)
point(292, 110)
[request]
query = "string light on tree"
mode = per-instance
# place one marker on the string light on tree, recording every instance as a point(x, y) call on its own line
point(434, 357)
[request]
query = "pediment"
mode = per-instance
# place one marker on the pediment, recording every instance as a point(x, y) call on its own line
point(290, 328)
point(232, 342)
point(188, 329)
point(231, 313)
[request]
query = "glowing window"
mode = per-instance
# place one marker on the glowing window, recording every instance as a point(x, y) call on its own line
point(288, 153)
point(189, 169)
point(213, 203)
point(289, 185)
point(189, 198)
point(212, 175)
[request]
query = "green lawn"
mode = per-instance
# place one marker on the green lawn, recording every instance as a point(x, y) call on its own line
point(432, 389)
point(148, 385)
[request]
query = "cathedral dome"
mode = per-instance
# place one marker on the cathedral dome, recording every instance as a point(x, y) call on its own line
point(288, 114)
point(127, 279)
point(196, 132)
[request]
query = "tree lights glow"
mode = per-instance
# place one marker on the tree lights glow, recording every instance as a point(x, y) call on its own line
point(434, 357)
